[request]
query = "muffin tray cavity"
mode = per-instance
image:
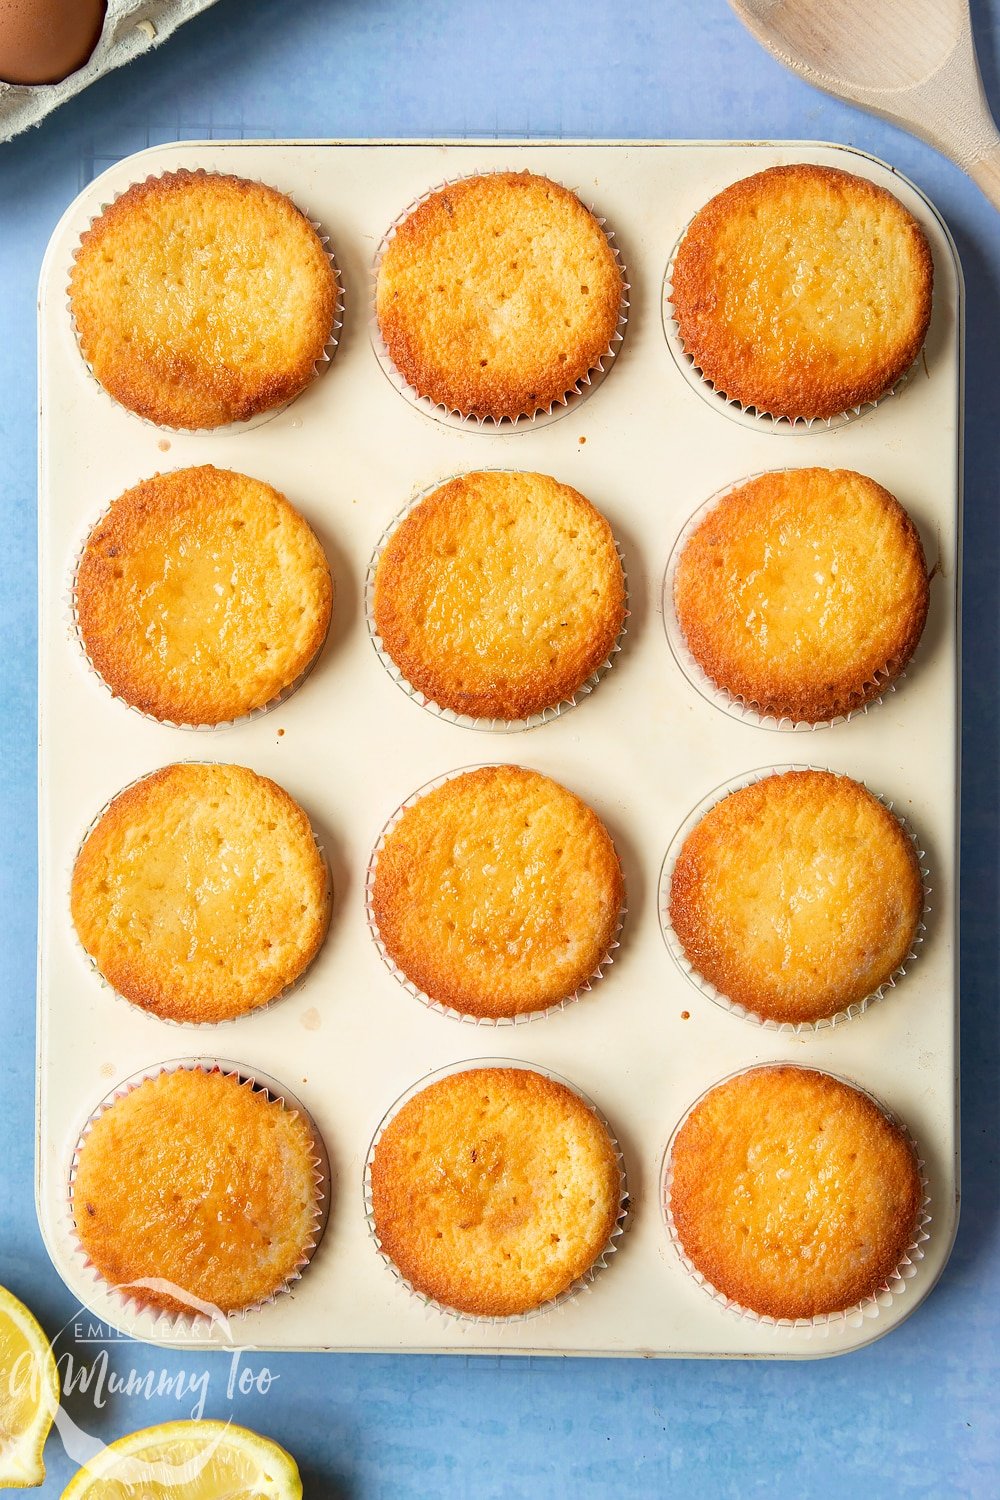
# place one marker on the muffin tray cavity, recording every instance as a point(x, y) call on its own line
point(644, 747)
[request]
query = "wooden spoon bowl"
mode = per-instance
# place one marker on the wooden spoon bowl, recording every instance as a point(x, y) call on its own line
point(913, 63)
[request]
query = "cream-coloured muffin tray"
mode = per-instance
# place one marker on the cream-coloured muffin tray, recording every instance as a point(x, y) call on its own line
point(644, 748)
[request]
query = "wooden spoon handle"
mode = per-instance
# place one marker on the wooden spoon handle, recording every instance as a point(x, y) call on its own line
point(950, 109)
point(985, 170)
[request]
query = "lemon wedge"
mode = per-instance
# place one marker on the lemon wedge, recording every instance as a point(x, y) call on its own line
point(29, 1394)
point(189, 1461)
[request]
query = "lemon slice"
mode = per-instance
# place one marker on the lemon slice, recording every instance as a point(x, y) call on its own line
point(29, 1394)
point(189, 1461)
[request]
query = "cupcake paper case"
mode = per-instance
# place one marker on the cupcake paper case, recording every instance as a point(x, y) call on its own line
point(201, 598)
point(796, 598)
point(801, 293)
point(749, 1194)
point(488, 1202)
point(175, 1240)
point(497, 599)
point(189, 936)
point(519, 344)
point(495, 895)
point(698, 879)
point(204, 354)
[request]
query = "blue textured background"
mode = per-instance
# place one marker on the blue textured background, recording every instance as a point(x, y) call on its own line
point(914, 1415)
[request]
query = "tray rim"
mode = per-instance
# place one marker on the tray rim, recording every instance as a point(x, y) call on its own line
point(951, 1204)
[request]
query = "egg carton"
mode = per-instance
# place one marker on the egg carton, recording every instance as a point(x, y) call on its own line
point(131, 28)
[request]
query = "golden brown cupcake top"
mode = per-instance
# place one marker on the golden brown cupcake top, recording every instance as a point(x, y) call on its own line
point(195, 1179)
point(803, 291)
point(494, 1189)
point(497, 294)
point(201, 595)
point(792, 1193)
point(498, 893)
point(500, 594)
point(200, 893)
point(803, 592)
point(201, 299)
point(798, 896)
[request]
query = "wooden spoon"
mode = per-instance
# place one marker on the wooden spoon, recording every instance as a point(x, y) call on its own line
point(911, 61)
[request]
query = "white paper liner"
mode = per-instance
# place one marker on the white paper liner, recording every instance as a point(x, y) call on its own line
point(821, 1324)
point(523, 1017)
point(750, 416)
point(454, 417)
point(256, 1010)
point(260, 417)
point(733, 704)
point(466, 721)
point(160, 1322)
point(75, 634)
point(452, 1315)
point(705, 986)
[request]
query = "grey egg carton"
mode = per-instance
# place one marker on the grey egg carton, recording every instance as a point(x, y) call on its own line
point(131, 28)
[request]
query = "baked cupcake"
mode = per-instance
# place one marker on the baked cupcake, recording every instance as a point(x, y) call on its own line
point(498, 893)
point(500, 594)
point(493, 1190)
point(803, 593)
point(201, 299)
point(200, 893)
point(201, 1189)
point(497, 294)
point(202, 595)
point(797, 897)
point(803, 291)
point(793, 1194)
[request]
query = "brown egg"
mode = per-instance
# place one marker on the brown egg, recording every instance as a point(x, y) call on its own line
point(43, 41)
